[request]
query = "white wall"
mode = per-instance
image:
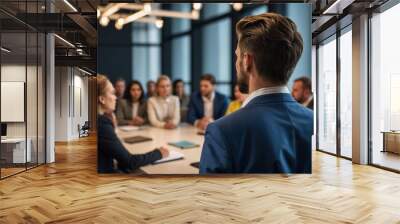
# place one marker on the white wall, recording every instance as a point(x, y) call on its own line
point(71, 103)
point(33, 127)
point(16, 73)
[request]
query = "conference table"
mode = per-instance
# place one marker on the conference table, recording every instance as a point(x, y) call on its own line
point(161, 137)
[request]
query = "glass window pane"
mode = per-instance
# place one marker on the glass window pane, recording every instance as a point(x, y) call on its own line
point(327, 96)
point(181, 58)
point(259, 10)
point(139, 32)
point(154, 34)
point(385, 84)
point(181, 25)
point(41, 99)
point(346, 94)
point(224, 89)
point(217, 56)
point(214, 9)
point(31, 101)
point(144, 33)
point(13, 83)
point(146, 63)
point(154, 63)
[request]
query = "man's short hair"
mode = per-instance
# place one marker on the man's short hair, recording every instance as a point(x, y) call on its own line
point(274, 42)
point(119, 80)
point(208, 77)
point(305, 81)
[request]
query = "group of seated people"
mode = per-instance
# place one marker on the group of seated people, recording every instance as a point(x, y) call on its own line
point(163, 108)
point(269, 132)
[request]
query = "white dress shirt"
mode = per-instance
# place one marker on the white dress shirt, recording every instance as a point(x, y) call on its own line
point(161, 109)
point(135, 109)
point(265, 91)
point(308, 101)
point(209, 105)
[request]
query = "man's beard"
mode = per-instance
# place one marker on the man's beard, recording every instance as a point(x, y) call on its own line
point(243, 81)
point(302, 99)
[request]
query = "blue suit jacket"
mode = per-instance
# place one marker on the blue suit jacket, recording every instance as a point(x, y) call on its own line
point(196, 107)
point(271, 134)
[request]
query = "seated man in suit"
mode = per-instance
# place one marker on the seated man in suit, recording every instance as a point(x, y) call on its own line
point(302, 92)
point(271, 133)
point(207, 105)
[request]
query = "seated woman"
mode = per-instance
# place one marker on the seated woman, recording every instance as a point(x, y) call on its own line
point(132, 110)
point(237, 103)
point(179, 91)
point(109, 146)
point(163, 110)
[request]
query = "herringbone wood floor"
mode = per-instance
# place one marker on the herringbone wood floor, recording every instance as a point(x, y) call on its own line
point(70, 191)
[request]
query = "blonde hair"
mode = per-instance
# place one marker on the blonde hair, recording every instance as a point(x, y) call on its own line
point(102, 82)
point(163, 78)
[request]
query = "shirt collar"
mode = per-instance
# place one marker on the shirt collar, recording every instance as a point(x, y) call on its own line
point(265, 91)
point(308, 101)
point(209, 99)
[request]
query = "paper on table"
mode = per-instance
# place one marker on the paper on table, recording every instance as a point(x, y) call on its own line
point(129, 128)
point(173, 155)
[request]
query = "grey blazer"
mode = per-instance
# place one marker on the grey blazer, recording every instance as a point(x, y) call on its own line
point(124, 111)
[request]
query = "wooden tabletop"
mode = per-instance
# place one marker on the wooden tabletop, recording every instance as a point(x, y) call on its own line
point(162, 137)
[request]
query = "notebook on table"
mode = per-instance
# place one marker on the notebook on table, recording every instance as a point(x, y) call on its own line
point(137, 139)
point(184, 144)
point(173, 156)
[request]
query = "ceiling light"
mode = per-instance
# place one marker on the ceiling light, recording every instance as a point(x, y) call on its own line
point(104, 21)
point(110, 12)
point(195, 14)
point(70, 5)
point(65, 41)
point(197, 6)
point(5, 50)
point(237, 6)
point(159, 23)
point(147, 8)
point(112, 8)
point(119, 24)
point(135, 16)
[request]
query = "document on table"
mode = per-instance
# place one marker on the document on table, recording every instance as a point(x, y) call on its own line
point(129, 128)
point(173, 155)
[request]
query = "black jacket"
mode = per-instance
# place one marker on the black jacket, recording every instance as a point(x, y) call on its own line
point(109, 147)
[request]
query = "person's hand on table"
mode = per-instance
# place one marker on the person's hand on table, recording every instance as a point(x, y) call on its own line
point(137, 121)
point(203, 123)
point(169, 125)
point(164, 151)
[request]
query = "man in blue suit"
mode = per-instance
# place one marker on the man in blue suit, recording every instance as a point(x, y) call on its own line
point(206, 105)
point(271, 133)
